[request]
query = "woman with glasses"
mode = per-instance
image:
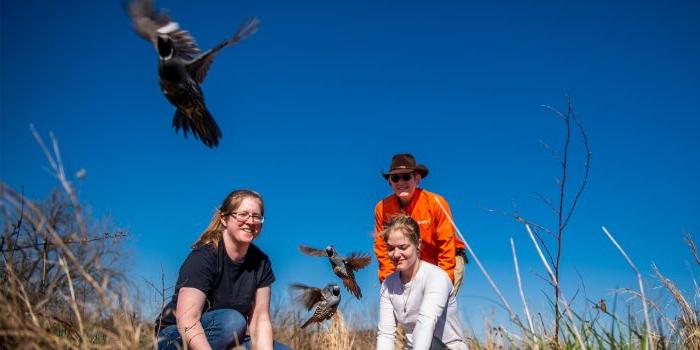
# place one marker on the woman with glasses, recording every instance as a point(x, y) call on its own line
point(223, 290)
point(418, 295)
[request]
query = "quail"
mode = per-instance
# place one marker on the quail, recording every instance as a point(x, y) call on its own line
point(343, 267)
point(324, 302)
point(182, 67)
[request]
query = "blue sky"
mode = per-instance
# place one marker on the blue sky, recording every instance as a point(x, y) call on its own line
point(313, 106)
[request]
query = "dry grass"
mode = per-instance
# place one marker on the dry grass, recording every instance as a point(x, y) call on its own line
point(61, 287)
point(60, 290)
point(332, 334)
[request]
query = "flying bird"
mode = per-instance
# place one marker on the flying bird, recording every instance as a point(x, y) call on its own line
point(324, 301)
point(342, 267)
point(182, 67)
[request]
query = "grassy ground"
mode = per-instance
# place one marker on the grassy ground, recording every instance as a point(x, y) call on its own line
point(61, 289)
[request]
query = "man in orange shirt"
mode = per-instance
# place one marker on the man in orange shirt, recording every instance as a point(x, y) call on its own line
point(439, 243)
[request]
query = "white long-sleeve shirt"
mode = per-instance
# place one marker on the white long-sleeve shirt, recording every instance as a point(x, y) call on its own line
point(424, 307)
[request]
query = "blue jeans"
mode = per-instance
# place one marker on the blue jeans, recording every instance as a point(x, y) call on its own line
point(224, 329)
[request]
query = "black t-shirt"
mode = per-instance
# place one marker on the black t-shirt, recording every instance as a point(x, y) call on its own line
point(227, 284)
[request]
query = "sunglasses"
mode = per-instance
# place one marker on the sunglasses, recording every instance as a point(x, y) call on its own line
point(405, 177)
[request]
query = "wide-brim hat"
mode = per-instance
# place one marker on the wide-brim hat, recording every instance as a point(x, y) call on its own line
point(405, 163)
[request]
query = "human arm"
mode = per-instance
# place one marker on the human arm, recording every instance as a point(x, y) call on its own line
point(196, 278)
point(260, 327)
point(187, 315)
point(444, 236)
point(437, 287)
point(386, 332)
point(380, 249)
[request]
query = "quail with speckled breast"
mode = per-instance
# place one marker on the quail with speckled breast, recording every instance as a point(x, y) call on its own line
point(324, 302)
point(343, 267)
point(182, 67)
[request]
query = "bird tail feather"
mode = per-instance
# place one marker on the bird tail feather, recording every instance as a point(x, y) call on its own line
point(202, 125)
point(308, 322)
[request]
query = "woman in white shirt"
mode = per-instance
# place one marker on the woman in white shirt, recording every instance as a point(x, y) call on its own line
point(418, 295)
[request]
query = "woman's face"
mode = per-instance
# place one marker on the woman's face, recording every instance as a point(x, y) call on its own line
point(402, 252)
point(244, 231)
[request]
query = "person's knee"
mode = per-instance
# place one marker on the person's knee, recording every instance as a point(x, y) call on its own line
point(169, 339)
point(224, 326)
point(230, 320)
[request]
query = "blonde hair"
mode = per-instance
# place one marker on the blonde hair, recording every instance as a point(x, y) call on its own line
point(406, 225)
point(213, 233)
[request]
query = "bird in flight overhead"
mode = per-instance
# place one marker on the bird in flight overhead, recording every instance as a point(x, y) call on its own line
point(182, 67)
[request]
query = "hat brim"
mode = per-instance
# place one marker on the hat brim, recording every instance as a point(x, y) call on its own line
point(420, 169)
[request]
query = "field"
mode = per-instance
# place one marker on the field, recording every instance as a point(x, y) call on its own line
point(62, 289)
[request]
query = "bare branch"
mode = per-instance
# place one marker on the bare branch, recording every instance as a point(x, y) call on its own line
point(560, 296)
point(105, 236)
point(546, 201)
point(555, 111)
point(551, 150)
point(587, 165)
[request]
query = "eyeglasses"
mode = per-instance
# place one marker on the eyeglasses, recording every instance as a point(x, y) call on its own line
point(405, 177)
point(243, 216)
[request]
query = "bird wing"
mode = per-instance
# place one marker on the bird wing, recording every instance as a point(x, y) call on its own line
point(312, 251)
point(146, 20)
point(306, 295)
point(149, 23)
point(356, 261)
point(351, 285)
point(199, 67)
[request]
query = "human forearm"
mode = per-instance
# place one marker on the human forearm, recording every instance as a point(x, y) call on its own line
point(192, 334)
point(386, 330)
point(447, 258)
point(261, 334)
point(385, 265)
point(445, 237)
point(187, 315)
point(260, 325)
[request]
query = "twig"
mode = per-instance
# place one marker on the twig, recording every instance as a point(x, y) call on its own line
point(105, 236)
point(551, 150)
point(18, 226)
point(556, 283)
point(54, 237)
point(587, 165)
point(639, 280)
point(546, 201)
point(544, 245)
point(23, 293)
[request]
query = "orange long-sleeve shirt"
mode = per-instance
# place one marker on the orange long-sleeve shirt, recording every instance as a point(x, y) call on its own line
point(438, 239)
